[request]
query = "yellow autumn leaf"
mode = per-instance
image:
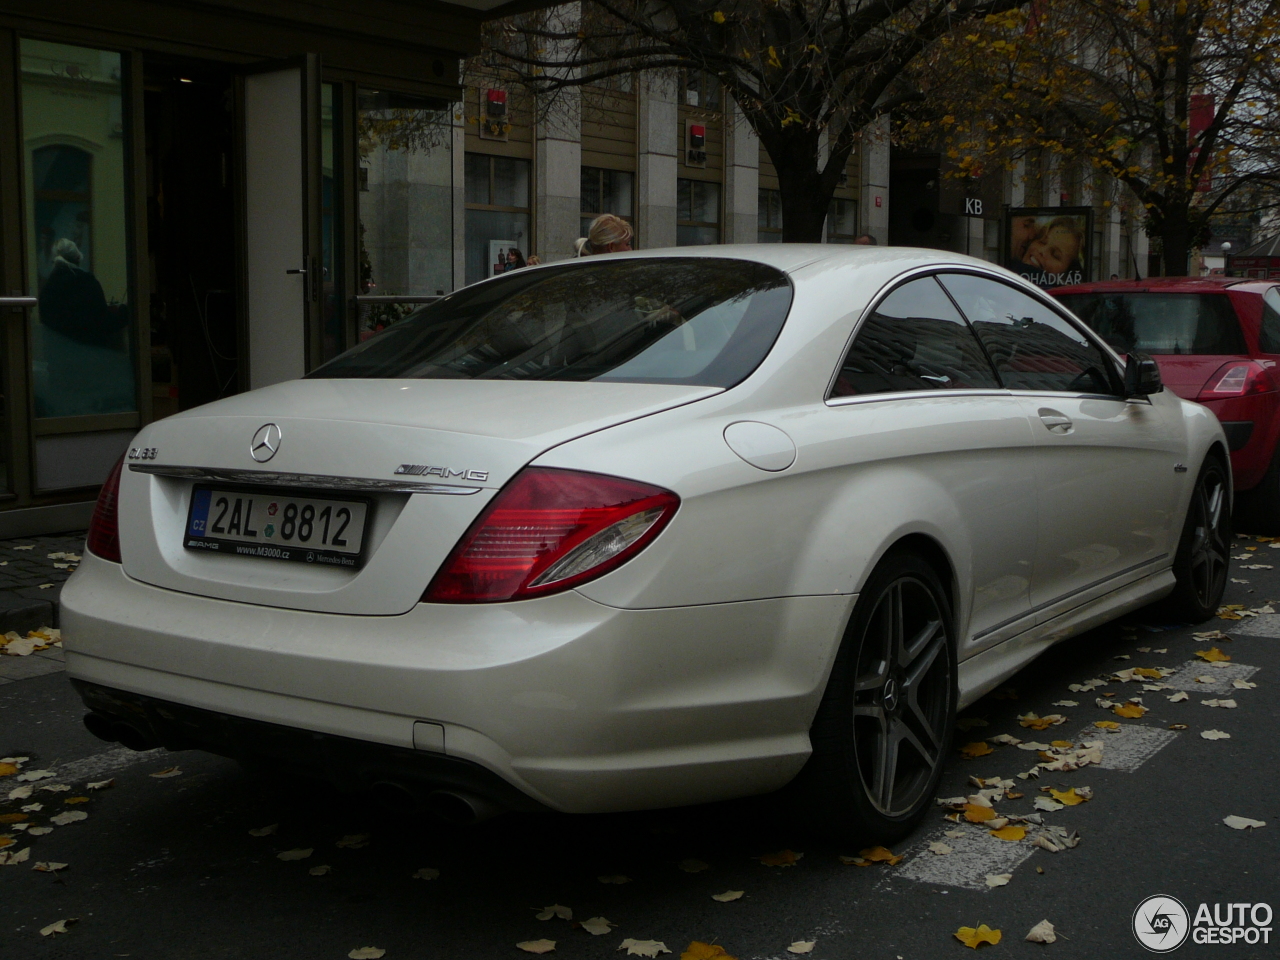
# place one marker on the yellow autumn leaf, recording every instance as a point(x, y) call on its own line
point(1149, 672)
point(1068, 798)
point(6, 769)
point(976, 814)
point(1062, 744)
point(1106, 724)
point(12, 817)
point(7, 841)
point(783, 858)
point(1130, 711)
point(979, 748)
point(773, 60)
point(881, 855)
point(718, 17)
point(983, 934)
point(1213, 655)
point(697, 950)
point(1012, 832)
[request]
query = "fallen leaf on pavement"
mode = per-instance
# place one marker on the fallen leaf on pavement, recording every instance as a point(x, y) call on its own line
point(1243, 823)
point(18, 817)
point(167, 772)
point(536, 946)
point(597, 926)
point(555, 910)
point(1109, 725)
point(1069, 797)
point(978, 814)
point(1225, 704)
point(998, 879)
point(426, 873)
point(617, 878)
point(367, 953)
point(1047, 805)
point(940, 848)
point(12, 859)
point(1214, 735)
point(354, 841)
point(1210, 635)
point(321, 870)
point(979, 748)
point(58, 926)
point(802, 946)
point(48, 866)
point(1042, 932)
point(1243, 685)
point(783, 858)
point(1066, 703)
point(694, 866)
point(1179, 697)
point(697, 950)
point(1087, 686)
point(728, 895)
point(39, 831)
point(1005, 738)
point(300, 853)
point(55, 788)
point(971, 937)
point(643, 948)
point(1012, 833)
point(266, 831)
point(1177, 726)
point(1033, 722)
point(1213, 655)
point(21, 793)
point(1130, 711)
point(33, 775)
point(68, 816)
point(74, 800)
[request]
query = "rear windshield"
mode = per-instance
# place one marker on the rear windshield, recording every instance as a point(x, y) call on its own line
point(703, 321)
point(1160, 322)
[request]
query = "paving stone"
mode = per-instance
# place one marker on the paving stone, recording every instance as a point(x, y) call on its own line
point(21, 614)
point(23, 668)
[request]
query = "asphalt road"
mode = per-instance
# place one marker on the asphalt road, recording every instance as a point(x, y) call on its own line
point(167, 868)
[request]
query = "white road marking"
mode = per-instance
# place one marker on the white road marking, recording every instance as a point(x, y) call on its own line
point(1129, 747)
point(100, 764)
point(1263, 625)
point(972, 857)
point(1185, 678)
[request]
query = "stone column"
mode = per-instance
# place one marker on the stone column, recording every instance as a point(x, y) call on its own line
point(558, 176)
point(741, 177)
point(874, 174)
point(459, 147)
point(656, 149)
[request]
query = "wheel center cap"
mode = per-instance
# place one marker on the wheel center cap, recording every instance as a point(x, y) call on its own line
point(890, 697)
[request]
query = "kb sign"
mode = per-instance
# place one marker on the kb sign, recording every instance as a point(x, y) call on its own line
point(972, 207)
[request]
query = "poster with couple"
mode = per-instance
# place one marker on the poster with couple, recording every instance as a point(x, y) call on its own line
point(1049, 245)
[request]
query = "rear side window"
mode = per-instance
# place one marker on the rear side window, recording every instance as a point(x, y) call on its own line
point(1269, 332)
point(1165, 323)
point(701, 321)
point(915, 340)
point(1031, 346)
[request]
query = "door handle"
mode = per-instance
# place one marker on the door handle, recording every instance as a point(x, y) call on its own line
point(18, 302)
point(301, 270)
point(1055, 422)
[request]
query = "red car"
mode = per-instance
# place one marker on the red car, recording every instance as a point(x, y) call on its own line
point(1217, 341)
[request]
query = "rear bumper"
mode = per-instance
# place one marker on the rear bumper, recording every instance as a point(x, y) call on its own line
point(1252, 426)
point(579, 706)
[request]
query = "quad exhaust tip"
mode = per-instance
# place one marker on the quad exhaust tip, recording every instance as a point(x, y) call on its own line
point(120, 731)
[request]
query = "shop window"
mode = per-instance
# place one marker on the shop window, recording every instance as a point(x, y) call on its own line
point(405, 205)
point(497, 195)
point(699, 89)
point(606, 191)
point(82, 361)
point(769, 216)
point(842, 221)
point(697, 212)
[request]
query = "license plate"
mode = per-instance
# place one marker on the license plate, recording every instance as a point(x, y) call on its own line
point(277, 527)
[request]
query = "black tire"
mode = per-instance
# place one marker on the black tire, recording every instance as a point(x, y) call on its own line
point(883, 729)
point(1201, 564)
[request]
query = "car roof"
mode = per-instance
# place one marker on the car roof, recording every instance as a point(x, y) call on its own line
point(1168, 285)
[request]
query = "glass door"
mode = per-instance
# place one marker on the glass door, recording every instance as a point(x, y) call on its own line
point(81, 336)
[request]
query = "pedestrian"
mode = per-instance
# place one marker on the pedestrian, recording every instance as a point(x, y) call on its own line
point(866, 240)
point(515, 259)
point(533, 261)
point(608, 234)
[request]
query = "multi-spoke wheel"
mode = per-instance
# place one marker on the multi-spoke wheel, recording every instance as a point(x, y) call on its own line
point(881, 733)
point(1201, 563)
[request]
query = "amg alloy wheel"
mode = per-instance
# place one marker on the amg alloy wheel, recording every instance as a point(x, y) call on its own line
point(1201, 563)
point(882, 731)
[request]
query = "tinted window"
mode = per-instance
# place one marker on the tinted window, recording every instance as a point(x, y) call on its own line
point(1160, 322)
point(1269, 333)
point(1032, 347)
point(663, 320)
point(915, 340)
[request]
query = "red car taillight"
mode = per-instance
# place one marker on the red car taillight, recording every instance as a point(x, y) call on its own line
point(1237, 378)
point(104, 529)
point(549, 530)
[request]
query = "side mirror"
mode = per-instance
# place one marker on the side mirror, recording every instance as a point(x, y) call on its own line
point(1141, 376)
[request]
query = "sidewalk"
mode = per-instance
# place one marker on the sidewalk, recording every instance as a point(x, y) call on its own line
point(30, 584)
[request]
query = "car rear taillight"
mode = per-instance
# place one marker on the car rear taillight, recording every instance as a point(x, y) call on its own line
point(104, 529)
point(549, 530)
point(1237, 378)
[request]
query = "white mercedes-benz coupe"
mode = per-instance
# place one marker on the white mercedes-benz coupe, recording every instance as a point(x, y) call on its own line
point(646, 530)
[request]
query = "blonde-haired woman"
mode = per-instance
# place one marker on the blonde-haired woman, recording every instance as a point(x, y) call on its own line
point(608, 234)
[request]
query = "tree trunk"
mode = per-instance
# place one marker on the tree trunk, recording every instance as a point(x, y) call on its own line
point(806, 192)
point(1175, 241)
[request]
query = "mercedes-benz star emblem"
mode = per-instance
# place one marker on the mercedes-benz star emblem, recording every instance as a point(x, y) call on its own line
point(265, 443)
